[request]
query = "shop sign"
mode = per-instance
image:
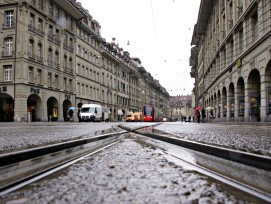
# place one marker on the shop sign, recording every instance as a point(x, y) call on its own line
point(239, 63)
point(67, 96)
point(3, 89)
point(34, 90)
point(20, 96)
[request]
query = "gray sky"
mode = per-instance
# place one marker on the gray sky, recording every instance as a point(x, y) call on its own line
point(159, 33)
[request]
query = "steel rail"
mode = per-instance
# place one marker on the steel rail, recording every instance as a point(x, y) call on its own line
point(250, 159)
point(253, 161)
point(31, 179)
point(224, 179)
point(28, 163)
point(18, 156)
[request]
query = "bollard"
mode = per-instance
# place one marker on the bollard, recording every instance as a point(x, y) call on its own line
point(50, 118)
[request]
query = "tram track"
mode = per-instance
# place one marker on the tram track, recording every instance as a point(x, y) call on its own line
point(232, 167)
point(47, 160)
point(28, 164)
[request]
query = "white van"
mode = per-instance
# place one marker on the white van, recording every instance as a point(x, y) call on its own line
point(91, 112)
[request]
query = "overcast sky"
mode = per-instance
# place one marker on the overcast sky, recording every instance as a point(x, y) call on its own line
point(159, 33)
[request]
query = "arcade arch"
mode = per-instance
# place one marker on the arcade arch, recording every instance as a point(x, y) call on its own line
point(6, 108)
point(34, 106)
point(52, 109)
point(66, 105)
point(254, 94)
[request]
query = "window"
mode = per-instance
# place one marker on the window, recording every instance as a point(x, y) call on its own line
point(56, 81)
point(78, 69)
point(70, 85)
point(78, 49)
point(83, 90)
point(241, 41)
point(86, 74)
point(57, 40)
point(8, 46)
point(57, 13)
point(31, 21)
point(49, 80)
point(30, 74)
point(40, 26)
point(57, 59)
point(65, 83)
point(65, 39)
point(9, 19)
point(39, 52)
point(255, 26)
point(40, 4)
point(38, 77)
point(71, 42)
point(50, 31)
point(90, 92)
point(65, 62)
point(87, 92)
point(78, 89)
point(70, 65)
point(82, 70)
point(31, 49)
point(51, 10)
point(71, 24)
point(50, 57)
point(7, 73)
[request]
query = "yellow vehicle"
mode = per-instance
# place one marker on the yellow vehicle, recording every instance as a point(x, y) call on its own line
point(130, 117)
point(138, 117)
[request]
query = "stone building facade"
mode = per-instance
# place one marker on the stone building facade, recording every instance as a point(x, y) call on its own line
point(231, 59)
point(180, 107)
point(53, 57)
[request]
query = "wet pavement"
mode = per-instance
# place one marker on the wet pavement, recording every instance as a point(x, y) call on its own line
point(249, 137)
point(14, 136)
point(128, 172)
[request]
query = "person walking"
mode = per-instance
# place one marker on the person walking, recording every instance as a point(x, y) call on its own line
point(203, 115)
point(198, 115)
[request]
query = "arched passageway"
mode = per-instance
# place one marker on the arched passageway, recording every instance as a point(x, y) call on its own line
point(34, 108)
point(6, 108)
point(66, 105)
point(240, 92)
point(231, 100)
point(254, 95)
point(52, 109)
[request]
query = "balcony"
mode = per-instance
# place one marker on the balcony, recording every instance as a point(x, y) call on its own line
point(65, 46)
point(8, 25)
point(39, 58)
point(51, 37)
point(57, 40)
point(7, 53)
point(31, 55)
point(71, 49)
point(50, 63)
point(31, 27)
point(57, 65)
point(40, 32)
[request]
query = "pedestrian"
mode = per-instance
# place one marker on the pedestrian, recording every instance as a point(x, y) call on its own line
point(198, 115)
point(78, 115)
point(203, 115)
point(70, 115)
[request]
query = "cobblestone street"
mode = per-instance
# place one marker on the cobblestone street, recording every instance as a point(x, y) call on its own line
point(126, 173)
